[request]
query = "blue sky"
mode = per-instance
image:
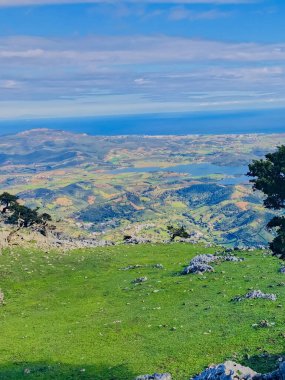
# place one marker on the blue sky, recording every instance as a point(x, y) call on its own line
point(63, 58)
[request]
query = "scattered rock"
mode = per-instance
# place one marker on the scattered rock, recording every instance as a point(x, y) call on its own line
point(155, 376)
point(132, 267)
point(263, 324)
point(255, 294)
point(139, 280)
point(158, 266)
point(136, 240)
point(282, 270)
point(232, 258)
point(227, 371)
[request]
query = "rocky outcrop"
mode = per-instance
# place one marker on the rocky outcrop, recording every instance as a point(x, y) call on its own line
point(227, 371)
point(200, 263)
point(256, 294)
point(198, 268)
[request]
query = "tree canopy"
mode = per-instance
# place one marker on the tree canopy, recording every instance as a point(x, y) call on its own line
point(8, 200)
point(269, 177)
point(20, 215)
point(177, 231)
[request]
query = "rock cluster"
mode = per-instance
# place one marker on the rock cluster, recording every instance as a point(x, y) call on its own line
point(232, 258)
point(136, 240)
point(198, 268)
point(255, 294)
point(227, 371)
point(200, 263)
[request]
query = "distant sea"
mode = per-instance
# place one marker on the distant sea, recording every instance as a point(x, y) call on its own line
point(258, 121)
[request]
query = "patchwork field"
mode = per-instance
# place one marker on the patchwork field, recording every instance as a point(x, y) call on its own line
point(78, 315)
point(108, 187)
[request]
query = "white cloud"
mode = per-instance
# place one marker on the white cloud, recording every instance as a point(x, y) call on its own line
point(101, 75)
point(9, 84)
point(135, 50)
point(183, 13)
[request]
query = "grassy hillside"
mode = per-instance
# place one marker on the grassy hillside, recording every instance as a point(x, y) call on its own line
point(78, 316)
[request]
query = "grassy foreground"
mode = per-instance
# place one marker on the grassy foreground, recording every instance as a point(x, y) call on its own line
point(78, 316)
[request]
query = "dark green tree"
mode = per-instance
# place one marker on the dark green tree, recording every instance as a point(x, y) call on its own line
point(8, 201)
point(178, 231)
point(20, 215)
point(269, 177)
point(23, 216)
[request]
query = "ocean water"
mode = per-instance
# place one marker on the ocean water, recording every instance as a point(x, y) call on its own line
point(258, 121)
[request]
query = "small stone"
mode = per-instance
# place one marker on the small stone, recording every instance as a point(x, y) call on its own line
point(139, 280)
point(158, 266)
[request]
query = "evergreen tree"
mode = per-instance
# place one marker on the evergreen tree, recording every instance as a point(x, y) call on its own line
point(269, 177)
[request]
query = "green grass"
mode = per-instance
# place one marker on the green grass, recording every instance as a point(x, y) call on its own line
point(78, 316)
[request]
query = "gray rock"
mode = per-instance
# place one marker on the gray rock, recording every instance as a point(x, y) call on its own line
point(204, 259)
point(137, 240)
point(155, 376)
point(132, 267)
point(139, 280)
point(158, 266)
point(255, 294)
point(200, 263)
point(232, 258)
point(198, 268)
point(227, 371)
point(282, 270)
